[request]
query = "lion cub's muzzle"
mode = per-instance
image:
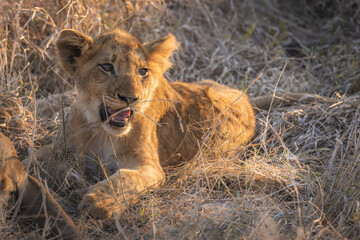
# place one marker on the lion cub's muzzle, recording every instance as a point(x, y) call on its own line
point(115, 117)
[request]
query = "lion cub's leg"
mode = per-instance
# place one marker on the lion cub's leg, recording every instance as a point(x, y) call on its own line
point(111, 196)
point(36, 202)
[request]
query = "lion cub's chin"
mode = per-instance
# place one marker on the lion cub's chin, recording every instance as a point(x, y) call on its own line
point(116, 131)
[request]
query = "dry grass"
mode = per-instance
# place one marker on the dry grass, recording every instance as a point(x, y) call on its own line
point(299, 179)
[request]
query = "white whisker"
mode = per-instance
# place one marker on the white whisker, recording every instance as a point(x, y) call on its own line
point(155, 100)
point(146, 116)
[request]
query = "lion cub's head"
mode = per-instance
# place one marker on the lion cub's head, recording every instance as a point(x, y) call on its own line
point(115, 74)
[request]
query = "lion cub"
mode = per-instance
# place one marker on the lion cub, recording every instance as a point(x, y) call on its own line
point(135, 121)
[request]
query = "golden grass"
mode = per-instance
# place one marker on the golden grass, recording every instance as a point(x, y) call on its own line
point(299, 179)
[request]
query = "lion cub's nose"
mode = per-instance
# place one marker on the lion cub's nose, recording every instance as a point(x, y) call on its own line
point(126, 99)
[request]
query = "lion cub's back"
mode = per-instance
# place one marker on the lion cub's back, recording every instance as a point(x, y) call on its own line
point(216, 106)
point(234, 113)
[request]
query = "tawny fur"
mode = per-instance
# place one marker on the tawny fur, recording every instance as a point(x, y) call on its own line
point(12, 174)
point(169, 122)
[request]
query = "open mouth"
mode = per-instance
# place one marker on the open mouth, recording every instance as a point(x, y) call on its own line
point(115, 117)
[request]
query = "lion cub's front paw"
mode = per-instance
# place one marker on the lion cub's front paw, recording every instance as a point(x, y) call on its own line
point(101, 202)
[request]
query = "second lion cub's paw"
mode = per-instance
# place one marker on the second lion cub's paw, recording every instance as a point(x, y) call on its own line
point(101, 202)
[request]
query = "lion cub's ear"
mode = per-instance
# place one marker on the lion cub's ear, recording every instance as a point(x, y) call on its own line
point(159, 52)
point(72, 44)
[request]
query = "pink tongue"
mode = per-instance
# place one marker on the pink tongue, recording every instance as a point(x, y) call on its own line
point(120, 116)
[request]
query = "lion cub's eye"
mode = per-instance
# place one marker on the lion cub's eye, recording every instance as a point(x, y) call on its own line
point(143, 72)
point(107, 67)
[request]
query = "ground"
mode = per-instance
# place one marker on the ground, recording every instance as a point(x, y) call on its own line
point(298, 179)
